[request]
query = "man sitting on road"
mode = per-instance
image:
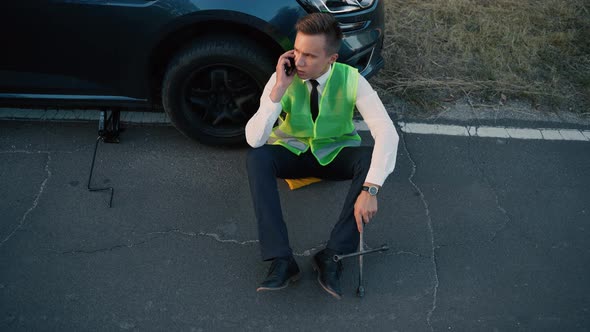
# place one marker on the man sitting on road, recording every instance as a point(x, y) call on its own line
point(316, 138)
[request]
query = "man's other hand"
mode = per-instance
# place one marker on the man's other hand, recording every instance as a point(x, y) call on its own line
point(365, 208)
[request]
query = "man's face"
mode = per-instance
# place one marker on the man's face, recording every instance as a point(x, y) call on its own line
point(311, 58)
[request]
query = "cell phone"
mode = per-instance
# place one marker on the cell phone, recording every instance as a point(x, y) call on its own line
point(289, 69)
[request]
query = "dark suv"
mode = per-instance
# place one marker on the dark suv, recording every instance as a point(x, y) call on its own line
point(204, 61)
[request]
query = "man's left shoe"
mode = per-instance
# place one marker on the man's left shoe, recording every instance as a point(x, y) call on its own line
point(282, 272)
point(328, 272)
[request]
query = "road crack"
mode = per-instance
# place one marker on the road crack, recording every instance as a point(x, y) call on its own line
point(404, 252)
point(160, 234)
point(43, 151)
point(486, 178)
point(308, 252)
point(118, 246)
point(214, 236)
point(431, 235)
point(35, 201)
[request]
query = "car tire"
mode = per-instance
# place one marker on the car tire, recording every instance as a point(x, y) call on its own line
point(212, 88)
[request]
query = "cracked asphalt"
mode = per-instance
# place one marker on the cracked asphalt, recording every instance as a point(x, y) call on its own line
point(486, 234)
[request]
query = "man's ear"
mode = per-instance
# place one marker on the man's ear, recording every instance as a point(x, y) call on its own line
point(333, 58)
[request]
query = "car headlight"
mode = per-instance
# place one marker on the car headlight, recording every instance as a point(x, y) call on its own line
point(337, 6)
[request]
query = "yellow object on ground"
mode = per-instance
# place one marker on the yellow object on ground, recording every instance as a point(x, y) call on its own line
point(298, 183)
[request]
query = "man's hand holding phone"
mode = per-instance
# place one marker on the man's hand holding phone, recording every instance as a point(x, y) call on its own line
point(285, 72)
point(290, 68)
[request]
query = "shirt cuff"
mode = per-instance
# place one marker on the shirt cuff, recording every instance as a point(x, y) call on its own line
point(376, 176)
point(269, 106)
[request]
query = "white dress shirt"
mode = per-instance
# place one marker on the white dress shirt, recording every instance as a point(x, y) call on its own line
point(259, 127)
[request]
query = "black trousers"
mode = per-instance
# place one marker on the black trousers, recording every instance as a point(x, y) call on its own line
point(269, 162)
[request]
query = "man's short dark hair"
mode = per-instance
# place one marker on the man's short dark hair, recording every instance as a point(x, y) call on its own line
point(322, 24)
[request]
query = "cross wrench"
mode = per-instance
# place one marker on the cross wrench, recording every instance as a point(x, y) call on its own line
point(360, 292)
point(383, 247)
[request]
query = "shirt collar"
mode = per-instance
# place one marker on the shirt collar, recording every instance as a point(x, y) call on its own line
point(324, 78)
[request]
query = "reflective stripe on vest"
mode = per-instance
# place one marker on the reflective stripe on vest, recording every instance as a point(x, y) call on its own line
point(336, 147)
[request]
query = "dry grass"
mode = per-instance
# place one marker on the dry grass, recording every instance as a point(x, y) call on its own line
point(438, 50)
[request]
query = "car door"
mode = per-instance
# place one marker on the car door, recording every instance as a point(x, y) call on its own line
point(60, 47)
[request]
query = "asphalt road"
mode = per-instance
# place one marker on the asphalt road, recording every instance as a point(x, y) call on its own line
point(486, 234)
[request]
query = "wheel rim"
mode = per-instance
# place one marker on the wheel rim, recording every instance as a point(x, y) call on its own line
point(221, 98)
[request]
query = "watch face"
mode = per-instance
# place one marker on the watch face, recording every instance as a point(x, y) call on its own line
point(373, 190)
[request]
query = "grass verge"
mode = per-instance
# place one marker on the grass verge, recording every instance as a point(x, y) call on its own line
point(437, 51)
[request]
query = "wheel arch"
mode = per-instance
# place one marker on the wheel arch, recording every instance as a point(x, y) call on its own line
point(186, 33)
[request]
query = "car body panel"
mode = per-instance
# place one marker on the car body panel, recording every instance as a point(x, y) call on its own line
point(110, 53)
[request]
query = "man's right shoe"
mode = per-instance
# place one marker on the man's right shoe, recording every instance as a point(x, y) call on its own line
point(328, 272)
point(282, 272)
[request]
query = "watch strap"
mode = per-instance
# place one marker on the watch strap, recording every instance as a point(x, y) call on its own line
point(372, 190)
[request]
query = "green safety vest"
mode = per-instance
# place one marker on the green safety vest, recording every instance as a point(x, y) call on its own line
point(333, 129)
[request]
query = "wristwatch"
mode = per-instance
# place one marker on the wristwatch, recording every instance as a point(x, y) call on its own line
point(372, 190)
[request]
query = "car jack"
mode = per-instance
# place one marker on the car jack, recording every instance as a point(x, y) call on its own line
point(109, 127)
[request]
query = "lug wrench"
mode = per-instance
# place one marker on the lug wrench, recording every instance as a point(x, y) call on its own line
point(360, 292)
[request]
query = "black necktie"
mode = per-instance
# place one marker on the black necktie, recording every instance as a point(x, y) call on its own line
point(314, 100)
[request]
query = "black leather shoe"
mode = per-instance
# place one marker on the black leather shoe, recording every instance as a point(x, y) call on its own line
point(328, 272)
point(282, 272)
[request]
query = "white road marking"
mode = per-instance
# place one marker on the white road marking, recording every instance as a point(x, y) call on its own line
point(406, 127)
point(524, 133)
point(573, 135)
point(551, 134)
point(486, 131)
point(491, 132)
